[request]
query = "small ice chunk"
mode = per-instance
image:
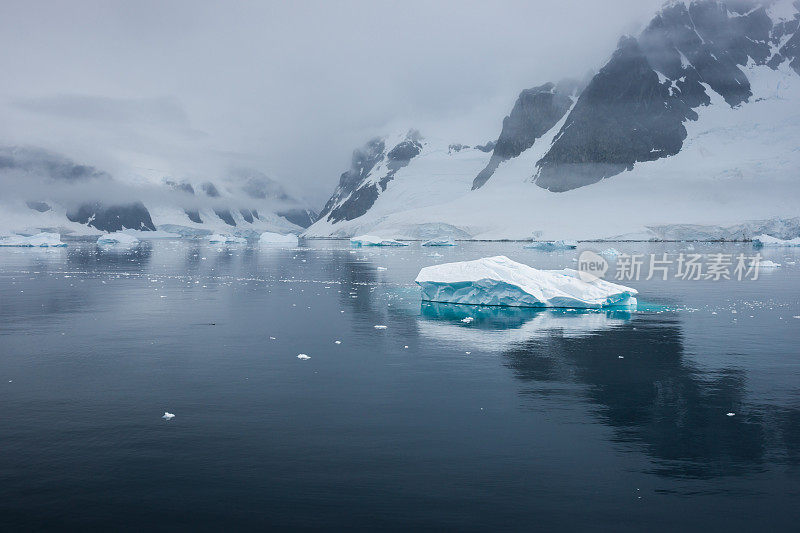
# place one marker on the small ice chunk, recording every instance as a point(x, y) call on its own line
point(380, 326)
point(766, 263)
point(226, 238)
point(467, 320)
point(549, 246)
point(440, 241)
point(610, 252)
point(40, 240)
point(770, 241)
point(117, 240)
point(382, 268)
point(276, 239)
point(337, 342)
point(730, 414)
point(303, 357)
point(371, 240)
point(501, 281)
point(168, 416)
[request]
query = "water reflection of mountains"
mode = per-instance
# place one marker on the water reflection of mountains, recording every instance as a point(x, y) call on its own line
point(637, 377)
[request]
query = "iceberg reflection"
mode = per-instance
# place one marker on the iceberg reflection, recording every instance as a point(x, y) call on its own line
point(496, 328)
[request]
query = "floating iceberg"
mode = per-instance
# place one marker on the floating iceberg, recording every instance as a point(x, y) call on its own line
point(117, 240)
point(271, 239)
point(226, 238)
point(552, 245)
point(769, 241)
point(168, 416)
point(610, 252)
point(371, 240)
point(442, 241)
point(40, 240)
point(501, 281)
point(766, 263)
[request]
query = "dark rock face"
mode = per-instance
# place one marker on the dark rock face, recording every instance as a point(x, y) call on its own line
point(535, 112)
point(624, 115)
point(181, 186)
point(633, 110)
point(225, 215)
point(488, 147)
point(301, 217)
point(113, 218)
point(41, 207)
point(194, 215)
point(46, 164)
point(246, 215)
point(210, 189)
point(359, 196)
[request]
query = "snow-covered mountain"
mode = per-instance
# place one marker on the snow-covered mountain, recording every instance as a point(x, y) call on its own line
point(689, 130)
point(52, 192)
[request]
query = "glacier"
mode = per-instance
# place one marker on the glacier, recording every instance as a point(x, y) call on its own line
point(117, 240)
point(441, 241)
point(550, 246)
point(371, 240)
point(40, 240)
point(276, 239)
point(773, 242)
point(500, 281)
point(226, 238)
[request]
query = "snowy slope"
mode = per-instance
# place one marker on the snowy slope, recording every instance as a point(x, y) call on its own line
point(724, 156)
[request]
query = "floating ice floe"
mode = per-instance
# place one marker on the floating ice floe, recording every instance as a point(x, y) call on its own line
point(766, 263)
point(552, 245)
point(770, 241)
point(380, 326)
point(371, 240)
point(610, 252)
point(276, 239)
point(168, 416)
point(303, 357)
point(117, 240)
point(40, 240)
point(441, 241)
point(226, 238)
point(467, 320)
point(501, 281)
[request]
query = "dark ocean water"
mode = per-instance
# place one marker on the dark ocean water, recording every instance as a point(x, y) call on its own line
point(517, 420)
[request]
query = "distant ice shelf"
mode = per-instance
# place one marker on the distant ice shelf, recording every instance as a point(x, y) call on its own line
point(117, 240)
point(269, 238)
point(442, 241)
point(552, 245)
point(40, 240)
point(371, 240)
point(503, 282)
point(226, 238)
point(773, 242)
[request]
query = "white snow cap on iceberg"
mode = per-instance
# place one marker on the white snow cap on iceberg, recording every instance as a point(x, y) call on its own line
point(552, 245)
point(290, 239)
point(371, 240)
point(118, 239)
point(40, 240)
point(440, 241)
point(501, 281)
point(770, 241)
point(226, 238)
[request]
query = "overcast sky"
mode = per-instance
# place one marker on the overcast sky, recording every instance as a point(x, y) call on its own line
point(191, 89)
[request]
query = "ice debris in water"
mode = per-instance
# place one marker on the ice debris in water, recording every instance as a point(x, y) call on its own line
point(276, 239)
point(770, 241)
point(337, 342)
point(730, 414)
point(226, 238)
point(40, 240)
point(501, 281)
point(467, 320)
point(552, 245)
point(371, 240)
point(303, 356)
point(768, 264)
point(381, 268)
point(168, 416)
point(610, 252)
point(380, 326)
point(117, 240)
point(441, 241)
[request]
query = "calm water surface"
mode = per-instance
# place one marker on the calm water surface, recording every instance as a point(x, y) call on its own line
point(516, 420)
